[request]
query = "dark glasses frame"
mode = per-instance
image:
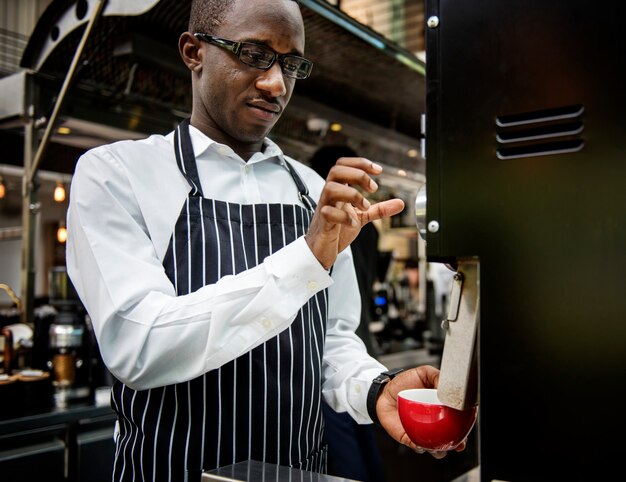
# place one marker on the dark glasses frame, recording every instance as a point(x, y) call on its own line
point(236, 48)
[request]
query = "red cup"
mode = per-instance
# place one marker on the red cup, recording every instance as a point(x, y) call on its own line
point(429, 423)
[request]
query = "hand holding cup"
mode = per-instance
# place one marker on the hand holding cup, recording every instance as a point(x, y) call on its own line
point(430, 424)
point(390, 414)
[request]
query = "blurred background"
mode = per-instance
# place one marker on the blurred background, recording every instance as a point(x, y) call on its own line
point(367, 92)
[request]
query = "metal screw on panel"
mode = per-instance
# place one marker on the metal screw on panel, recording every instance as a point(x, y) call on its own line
point(433, 227)
point(432, 22)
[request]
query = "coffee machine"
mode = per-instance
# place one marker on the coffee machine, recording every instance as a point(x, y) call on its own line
point(525, 140)
point(72, 355)
point(66, 345)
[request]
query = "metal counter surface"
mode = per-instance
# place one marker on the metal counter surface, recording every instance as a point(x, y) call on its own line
point(253, 470)
point(53, 417)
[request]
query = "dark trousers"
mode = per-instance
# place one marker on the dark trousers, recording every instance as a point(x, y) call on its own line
point(352, 448)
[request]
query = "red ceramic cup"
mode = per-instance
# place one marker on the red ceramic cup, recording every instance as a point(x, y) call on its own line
point(429, 423)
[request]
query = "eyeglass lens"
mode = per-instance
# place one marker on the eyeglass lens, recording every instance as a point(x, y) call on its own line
point(260, 57)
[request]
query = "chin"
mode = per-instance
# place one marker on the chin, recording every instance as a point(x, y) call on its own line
point(254, 135)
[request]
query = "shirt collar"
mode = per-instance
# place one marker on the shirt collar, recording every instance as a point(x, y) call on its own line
point(202, 144)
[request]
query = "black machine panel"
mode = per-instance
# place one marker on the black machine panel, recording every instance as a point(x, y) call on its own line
point(526, 167)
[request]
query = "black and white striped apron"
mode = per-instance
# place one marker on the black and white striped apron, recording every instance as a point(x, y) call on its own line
point(265, 405)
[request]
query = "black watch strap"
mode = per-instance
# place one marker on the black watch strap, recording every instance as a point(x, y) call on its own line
point(377, 385)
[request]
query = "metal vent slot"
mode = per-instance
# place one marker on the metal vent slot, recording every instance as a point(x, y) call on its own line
point(540, 149)
point(546, 132)
point(540, 133)
point(545, 115)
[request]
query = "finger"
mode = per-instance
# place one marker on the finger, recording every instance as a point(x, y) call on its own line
point(404, 439)
point(334, 215)
point(437, 454)
point(354, 176)
point(360, 163)
point(335, 194)
point(384, 209)
point(460, 447)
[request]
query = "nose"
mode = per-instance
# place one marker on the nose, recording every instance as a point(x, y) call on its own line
point(272, 81)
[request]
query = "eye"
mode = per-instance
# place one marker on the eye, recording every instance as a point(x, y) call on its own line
point(291, 64)
point(256, 54)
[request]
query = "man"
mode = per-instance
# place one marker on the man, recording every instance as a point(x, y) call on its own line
point(215, 269)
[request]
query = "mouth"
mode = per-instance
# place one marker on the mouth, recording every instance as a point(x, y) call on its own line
point(265, 110)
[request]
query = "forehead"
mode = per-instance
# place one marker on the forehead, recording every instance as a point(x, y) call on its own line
point(272, 21)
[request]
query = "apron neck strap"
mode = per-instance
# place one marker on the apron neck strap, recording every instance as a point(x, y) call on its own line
point(303, 191)
point(185, 158)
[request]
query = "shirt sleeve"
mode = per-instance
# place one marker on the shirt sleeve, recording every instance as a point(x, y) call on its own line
point(149, 336)
point(348, 368)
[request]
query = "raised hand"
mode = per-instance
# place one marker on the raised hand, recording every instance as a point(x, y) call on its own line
point(342, 209)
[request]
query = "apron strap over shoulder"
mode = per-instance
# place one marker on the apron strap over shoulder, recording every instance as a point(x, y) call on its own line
point(185, 157)
point(303, 191)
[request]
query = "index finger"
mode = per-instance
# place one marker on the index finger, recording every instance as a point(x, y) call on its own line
point(355, 171)
point(360, 163)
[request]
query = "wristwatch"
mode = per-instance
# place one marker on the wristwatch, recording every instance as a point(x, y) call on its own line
point(377, 385)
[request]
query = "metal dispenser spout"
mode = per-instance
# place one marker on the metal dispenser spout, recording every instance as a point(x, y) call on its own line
point(458, 379)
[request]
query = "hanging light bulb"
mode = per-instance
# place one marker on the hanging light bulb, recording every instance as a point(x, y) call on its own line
point(62, 232)
point(3, 188)
point(59, 192)
point(336, 127)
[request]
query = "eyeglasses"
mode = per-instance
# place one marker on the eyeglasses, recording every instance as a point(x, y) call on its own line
point(262, 57)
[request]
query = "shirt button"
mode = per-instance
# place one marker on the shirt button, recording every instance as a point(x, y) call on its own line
point(222, 150)
point(267, 323)
point(246, 169)
point(357, 388)
point(312, 286)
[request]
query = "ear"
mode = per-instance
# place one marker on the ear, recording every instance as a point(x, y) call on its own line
point(189, 48)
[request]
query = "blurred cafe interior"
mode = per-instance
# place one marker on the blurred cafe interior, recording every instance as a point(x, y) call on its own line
point(504, 269)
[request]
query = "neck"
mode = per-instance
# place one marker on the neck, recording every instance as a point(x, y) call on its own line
point(246, 154)
point(245, 150)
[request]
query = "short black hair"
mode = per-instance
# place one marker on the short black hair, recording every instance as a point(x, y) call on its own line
point(207, 15)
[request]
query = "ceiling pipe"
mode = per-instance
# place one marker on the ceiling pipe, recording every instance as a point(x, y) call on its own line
point(64, 88)
point(30, 201)
point(336, 15)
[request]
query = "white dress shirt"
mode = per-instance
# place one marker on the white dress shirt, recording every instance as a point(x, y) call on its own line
point(124, 202)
